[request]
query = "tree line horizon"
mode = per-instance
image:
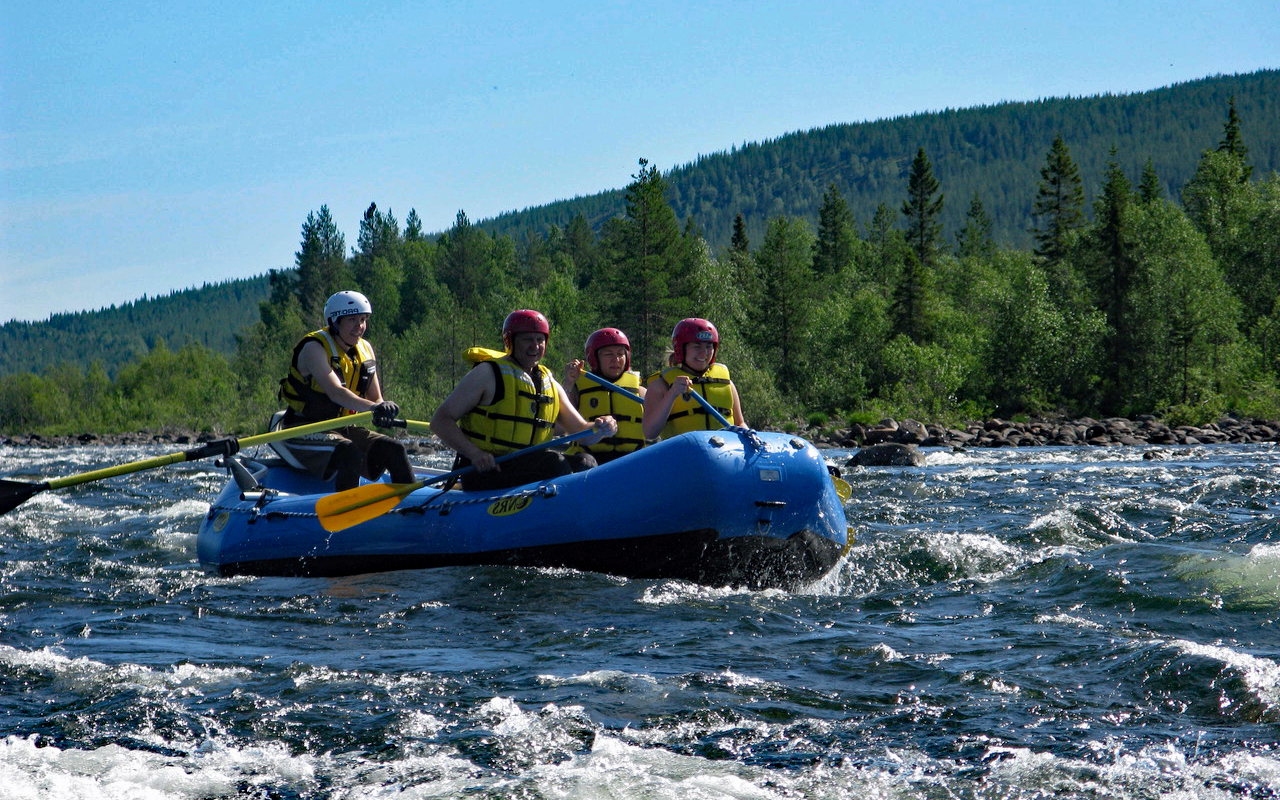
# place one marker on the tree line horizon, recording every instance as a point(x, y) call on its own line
point(1130, 302)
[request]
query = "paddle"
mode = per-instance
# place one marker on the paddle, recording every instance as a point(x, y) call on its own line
point(843, 489)
point(15, 493)
point(613, 387)
point(341, 510)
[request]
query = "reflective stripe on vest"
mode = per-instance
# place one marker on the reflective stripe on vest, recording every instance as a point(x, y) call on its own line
point(688, 414)
point(596, 401)
point(355, 370)
point(523, 415)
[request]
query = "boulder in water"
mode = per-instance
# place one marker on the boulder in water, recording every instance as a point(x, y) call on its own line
point(887, 454)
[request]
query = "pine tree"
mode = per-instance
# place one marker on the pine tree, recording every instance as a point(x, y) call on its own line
point(1149, 189)
point(1233, 143)
point(647, 253)
point(413, 227)
point(974, 239)
point(790, 292)
point(379, 237)
point(1059, 203)
point(922, 211)
point(1112, 276)
point(321, 263)
point(836, 246)
point(378, 264)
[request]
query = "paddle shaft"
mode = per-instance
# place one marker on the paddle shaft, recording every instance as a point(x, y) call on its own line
point(15, 493)
point(354, 506)
point(457, 473)
point(712, 410)
point(842, 487)
point(214, 448)
point(613, 387)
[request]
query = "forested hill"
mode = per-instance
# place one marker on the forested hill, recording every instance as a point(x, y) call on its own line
point(994, 151)
point(210, 315)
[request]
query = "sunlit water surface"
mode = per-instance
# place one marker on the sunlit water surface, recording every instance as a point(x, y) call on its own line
point(1009, 624)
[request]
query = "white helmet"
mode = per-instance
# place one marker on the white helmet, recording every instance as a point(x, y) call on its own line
point(344, 303)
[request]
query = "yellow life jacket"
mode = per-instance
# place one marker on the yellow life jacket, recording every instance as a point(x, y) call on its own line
point(596, 401)
point(521, 413)
point(687, 414)
point(305, 398)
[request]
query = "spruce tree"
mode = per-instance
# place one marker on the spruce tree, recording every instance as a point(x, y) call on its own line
point(1149, 190)
point(742, 265)
point(910, 308)
point(1059, 203)
point(321, 263)
point(974, 239)
point(888, 249)
point(1112, 277)
point(647, 252)
point(790, 292)
point(922, 211)
point(1233, 143)
point(834, 250)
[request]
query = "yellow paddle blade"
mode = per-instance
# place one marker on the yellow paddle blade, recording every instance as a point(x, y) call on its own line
point(342, 510)
point(842, 488)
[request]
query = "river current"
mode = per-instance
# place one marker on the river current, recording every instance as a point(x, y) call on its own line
point(1027, 623)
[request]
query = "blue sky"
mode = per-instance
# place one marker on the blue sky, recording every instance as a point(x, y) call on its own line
point(147, 147)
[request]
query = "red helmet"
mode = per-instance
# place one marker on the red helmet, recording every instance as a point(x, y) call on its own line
point(604, 338)
point(694, 329)
point(524, 321)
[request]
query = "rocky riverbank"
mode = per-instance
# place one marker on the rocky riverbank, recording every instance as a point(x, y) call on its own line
point(1060, 432)
point(178, 440)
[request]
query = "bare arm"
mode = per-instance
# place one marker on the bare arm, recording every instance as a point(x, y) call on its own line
point(475, 389)
point(571, 421)
point(658, 401)
point(737, 407)
point(312, 362)
point(571, 374)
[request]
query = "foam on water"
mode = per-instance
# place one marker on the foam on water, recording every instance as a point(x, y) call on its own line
point(1248, 580)
point(1008, 624)
point(86, 672)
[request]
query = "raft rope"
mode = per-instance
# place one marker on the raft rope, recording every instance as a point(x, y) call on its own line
point(548, 490)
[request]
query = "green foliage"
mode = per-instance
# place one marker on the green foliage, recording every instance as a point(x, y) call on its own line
point(211, 315)
point(1059, 204)
point(1148, 306)
point(995, 150)
point(647, 257)
point(923, 210)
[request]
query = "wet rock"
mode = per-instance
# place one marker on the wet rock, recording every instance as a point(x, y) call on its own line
point(887, 454)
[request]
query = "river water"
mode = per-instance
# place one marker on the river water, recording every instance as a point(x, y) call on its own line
point(1009, 624)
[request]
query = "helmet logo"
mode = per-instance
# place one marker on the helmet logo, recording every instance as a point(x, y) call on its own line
point(703, 336)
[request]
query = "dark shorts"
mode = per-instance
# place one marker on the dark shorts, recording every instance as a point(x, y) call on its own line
point(315, 453)
point(530, 468)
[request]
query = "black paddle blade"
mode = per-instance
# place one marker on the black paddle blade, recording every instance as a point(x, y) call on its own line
point(15, 493)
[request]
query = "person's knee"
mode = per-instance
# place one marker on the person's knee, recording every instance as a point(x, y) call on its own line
point(388, 455)
point(345, 463)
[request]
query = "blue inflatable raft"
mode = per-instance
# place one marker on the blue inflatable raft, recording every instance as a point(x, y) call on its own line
point(717, 508)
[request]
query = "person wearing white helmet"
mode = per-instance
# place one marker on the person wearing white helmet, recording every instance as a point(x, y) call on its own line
point(334, 373)
point(508, 402)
